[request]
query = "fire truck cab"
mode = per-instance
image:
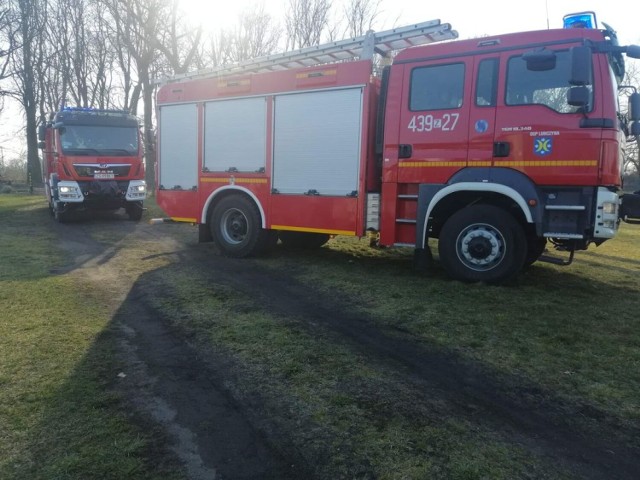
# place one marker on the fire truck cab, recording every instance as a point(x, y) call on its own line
point(92, 160)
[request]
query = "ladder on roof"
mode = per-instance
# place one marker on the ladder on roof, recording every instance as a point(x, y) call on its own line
point(362, 47)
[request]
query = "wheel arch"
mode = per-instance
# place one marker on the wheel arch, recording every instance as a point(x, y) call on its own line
point(508, 189)
point(226, 191)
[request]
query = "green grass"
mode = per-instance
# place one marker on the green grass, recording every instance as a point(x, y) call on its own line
point(58, 418)
point(569, 331)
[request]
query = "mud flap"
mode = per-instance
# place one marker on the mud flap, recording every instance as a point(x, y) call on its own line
point(204, 233)
point(422, 259)
point(630, 208)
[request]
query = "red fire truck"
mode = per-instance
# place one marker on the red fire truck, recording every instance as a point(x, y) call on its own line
point(92, 160)
point(493, 146)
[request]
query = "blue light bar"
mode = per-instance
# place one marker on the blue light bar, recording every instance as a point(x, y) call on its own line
point(580, 20)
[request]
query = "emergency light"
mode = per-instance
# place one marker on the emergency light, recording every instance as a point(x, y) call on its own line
point(580, 20)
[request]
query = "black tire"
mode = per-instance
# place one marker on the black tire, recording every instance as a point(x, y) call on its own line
point(134, 211)
point(60, 215)
point(535, 248)
point(482, 243)
point(236, 228)
point(303, 240)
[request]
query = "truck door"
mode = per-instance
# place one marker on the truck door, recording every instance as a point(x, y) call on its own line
point(433, 138)
point(482, 115)
point(537, 131)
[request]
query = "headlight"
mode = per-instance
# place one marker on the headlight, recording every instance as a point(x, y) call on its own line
point(609, 208)
point(69, 191)
point(137, 190)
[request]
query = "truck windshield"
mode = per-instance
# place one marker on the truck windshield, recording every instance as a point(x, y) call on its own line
point(99, 140)
point(548, 87)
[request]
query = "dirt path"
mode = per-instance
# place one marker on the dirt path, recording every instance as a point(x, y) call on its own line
point(164, 378)
point(179, 387)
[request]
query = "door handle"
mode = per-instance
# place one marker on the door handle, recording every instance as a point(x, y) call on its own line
point(405, 151)
point(501, 149)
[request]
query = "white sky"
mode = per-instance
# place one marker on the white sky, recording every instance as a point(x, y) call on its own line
point(469, 18)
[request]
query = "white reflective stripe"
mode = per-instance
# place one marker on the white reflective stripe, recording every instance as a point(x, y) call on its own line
point(477, 187)
point(203, 216)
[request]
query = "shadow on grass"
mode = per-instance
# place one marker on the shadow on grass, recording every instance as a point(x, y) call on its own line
point(216, 413)
point(85, 432)
point(433, 385)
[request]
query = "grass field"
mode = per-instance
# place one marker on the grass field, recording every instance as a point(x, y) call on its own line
point(571, 332)
point(58, 418)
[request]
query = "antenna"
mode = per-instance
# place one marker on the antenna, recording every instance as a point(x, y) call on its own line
point(546, 6)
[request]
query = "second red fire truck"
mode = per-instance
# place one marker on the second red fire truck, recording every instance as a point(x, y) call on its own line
point(92, 160)
point(494, 146)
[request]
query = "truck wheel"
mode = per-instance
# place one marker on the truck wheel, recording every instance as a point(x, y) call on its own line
point(60, 215)
point(482, 243)
point(134, 211)
point(236, 228)
point(307, 240)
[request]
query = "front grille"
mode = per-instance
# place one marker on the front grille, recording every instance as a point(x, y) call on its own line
point(85, 170)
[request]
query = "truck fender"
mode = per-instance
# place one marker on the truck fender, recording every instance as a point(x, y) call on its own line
point(509, 183)
point(227, 188)
point(53, 186)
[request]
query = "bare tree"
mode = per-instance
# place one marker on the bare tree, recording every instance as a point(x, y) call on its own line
point(361, 16)
point(632, 152)
point(138, 28)
point(8, 36)
point(179, 42)
point(28, 75)
point(306, 22)
point(255, 35)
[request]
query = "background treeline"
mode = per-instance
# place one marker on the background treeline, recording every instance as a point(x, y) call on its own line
point(107, 53)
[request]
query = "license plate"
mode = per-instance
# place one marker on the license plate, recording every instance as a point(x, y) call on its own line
point(104, 175)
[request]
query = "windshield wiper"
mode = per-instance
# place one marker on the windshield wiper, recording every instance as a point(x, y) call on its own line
point(116, 150)
point(80, 151)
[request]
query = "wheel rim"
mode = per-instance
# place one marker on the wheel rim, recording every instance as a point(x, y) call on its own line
point(234, 226)
point(480, 247)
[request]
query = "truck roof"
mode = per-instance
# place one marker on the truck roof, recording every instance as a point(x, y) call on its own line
point(90, 116)
point(497, 43)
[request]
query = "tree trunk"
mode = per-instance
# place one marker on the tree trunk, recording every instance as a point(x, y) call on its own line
point(149, 135)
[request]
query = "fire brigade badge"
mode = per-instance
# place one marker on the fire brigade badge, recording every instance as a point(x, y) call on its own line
point(543, 146)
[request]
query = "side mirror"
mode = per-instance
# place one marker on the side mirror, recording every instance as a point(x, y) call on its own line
point(578, 96)
point(41, 131)
point(540, 60)
point(580, 66)
point(635, 129)
point(634, 107)
point(41, 144)
point(633, 51)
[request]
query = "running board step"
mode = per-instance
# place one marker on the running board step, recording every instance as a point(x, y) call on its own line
point(565, 207)
point(556, 260)
point(569, 236)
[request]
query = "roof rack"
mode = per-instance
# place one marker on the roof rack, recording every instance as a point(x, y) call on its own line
point(362, 47)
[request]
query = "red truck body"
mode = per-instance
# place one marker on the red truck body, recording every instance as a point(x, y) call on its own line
point(472, 142)
point(92, 160)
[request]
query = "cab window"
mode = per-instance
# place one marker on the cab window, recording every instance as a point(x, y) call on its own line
point(487, 83)
point(437, 87)
point(547, 87)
